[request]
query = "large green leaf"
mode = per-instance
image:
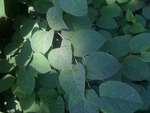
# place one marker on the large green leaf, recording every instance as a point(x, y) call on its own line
point(146, 12)
point(75, 7)
point(55, 19)
point(6, 82)
point(73, 81)
point(41, 41)
point(61, 58)
point(2, 9)
point(135, 69)
point(26, 80)
point(40, 64)
point(121, 45)
point(113, 8)
point(118, 97)
point(140, 42)
point(86, 42)
point(77, 105)
point(101, 65)
point(107, 22)
point(133, 5)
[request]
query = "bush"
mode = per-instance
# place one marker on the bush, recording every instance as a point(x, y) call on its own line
point(75, 56)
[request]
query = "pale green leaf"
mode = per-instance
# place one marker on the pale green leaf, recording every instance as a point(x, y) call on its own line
point(130, 17)
point(2, 9)
point(137, 28)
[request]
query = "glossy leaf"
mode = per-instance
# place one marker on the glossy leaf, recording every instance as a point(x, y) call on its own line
point(100, 65)
point(75, 7)
point(26, 80)
point(2, 9)
point(41, 41)
point(84, 40)
point(113, 8)
point(114, 99)
point(135, 69)
point(107, 22)
point(6, 82)
point(77, 105)
point(55, 19)
point(140, 42)
point(73, 81)
point(146, 12)
point(40, 64)
point(61, 58)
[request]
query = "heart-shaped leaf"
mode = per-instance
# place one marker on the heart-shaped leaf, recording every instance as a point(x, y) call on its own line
point(61, 58)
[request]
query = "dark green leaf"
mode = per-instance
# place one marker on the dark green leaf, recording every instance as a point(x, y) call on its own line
point(86, 42)
point(73, 81)
point(118, 97)
point(110, 1)
point(146, 12)
point(101, 65)
point(6, 82)
point(75, 7)
point(122, 1)
point(135, 69)
point(61, 58)
point(145, 56)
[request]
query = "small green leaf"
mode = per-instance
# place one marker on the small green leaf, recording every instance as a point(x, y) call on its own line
point(110, 1)
point(146, 11)
point(2, 9)
point(6, 82)
point(145, 56)
point(40, 64)
point(122, 1)
point(113, 8)
point(26, 80)
point(130, 17)
point(140, 42)
point(118, 97)
point(137, 28)
point(86, 42)
point(75, 7)
point(107, 22)
point(140, 19)
point(55, 19)
point(135, 69)
point(101, 65)
point(41, 41)
point(73, 81)
point(61, 58)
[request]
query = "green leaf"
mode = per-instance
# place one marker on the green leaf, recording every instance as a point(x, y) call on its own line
point(41, 41)
point(77, 105)
point(107, 22)
point(140, 19)
point(73, 81)
point(145, 56)
point(41, 6)
point(105, 34)
point(130, 17)
point(109, 2)
point(146, 11)
point(121, 45)
point(6, 66)
point(40, 64)
point(118, 97)
point(18, 91)
point(57, 106)
point(27, 102)
point(55, 19)
point(100, 65)
point(6, 82)
point(143, 94)
point(74, 7)
point(140, 42)
point(49, 80)
point(2, 9)
point(133, 5)
point(24, 56)
point(137, 28)
point(135, 69)
point(92, 14)
point(113, 8)
point(26, 80)
point(122, 1)
point(61, 58)
point(126, 29)
point(86, 42)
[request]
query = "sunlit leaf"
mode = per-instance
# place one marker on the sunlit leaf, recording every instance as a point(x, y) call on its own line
point(2, 9)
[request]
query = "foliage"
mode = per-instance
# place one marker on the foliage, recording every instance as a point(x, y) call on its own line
point(75, 56)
